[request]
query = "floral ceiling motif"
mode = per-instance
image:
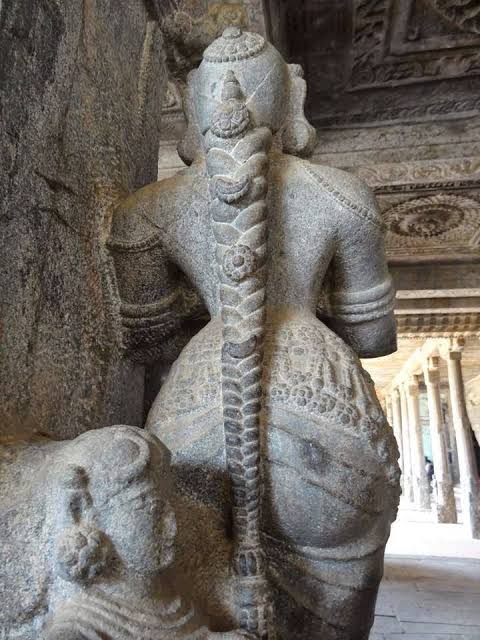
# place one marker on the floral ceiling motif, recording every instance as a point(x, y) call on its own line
point(427, 217)
point(440, 222)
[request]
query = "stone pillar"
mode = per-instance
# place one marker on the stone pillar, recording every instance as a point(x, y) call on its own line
point(389, 410)
point(463, 435)
point(397, 427)
point(444, 497)
point(407, 456)
point(421, 490)
point(79, 130)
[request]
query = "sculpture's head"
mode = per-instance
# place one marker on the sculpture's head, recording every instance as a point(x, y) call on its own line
point(113, 490)
point(274, 91)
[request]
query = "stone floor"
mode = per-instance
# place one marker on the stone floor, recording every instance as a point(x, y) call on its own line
point(429, 599)
point(416, 534)
point(426, 595)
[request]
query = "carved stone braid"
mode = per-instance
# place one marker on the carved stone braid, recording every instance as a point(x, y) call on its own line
point(237, 163)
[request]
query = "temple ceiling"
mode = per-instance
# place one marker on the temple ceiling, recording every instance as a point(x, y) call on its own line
point(369, 61)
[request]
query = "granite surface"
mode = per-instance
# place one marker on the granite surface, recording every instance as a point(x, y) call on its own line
point(80, 89)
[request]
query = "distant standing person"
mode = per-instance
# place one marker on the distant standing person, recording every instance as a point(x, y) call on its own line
point(429, 470)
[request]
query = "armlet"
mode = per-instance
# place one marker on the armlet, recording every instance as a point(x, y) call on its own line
point(361, 306)
point(145, 327)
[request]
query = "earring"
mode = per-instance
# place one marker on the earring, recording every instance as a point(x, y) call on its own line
point(298, 135)
point(81, 551)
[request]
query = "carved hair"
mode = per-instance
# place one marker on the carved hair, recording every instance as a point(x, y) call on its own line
point(115, 463)
point(237, 137)
point(237, 164)
point(82, 553)
point(125, 462)
point(81, 550)
point(297, 136)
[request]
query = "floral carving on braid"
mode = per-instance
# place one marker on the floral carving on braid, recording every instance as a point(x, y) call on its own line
point(237, 164)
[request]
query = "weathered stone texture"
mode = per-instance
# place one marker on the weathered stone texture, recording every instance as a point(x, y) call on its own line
point(274, 428)
point(88, 531)
point(81, 85)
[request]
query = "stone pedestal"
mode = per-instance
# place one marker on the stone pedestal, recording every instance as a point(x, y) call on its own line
point(463, 435)
point(407, 452)
point(443, 492)
point(421, 490)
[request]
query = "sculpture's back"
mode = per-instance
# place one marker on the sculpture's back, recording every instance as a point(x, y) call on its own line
point(275, 429)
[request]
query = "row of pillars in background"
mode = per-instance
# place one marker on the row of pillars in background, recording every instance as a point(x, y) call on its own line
point(404, 415)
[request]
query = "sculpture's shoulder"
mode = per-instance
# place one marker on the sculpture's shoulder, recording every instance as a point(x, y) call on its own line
point(350, 192)
point(150, 211)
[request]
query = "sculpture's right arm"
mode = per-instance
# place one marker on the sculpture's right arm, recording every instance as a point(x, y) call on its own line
point(154, 297)
point(361, 306)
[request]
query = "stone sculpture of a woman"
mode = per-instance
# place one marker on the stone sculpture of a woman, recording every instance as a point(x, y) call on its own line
point(273, 425)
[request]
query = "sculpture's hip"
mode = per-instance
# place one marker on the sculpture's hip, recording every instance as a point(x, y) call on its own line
point(329, 463)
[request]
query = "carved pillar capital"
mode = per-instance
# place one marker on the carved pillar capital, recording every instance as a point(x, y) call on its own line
point(455, 348)
point(454, 355)
point(412, 386)
point(451, 348)
point(432, 370)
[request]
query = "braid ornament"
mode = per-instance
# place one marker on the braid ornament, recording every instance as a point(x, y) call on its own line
point(237, 164)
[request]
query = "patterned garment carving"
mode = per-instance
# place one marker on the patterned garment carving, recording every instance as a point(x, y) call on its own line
point(311, 372)
point(325, 443)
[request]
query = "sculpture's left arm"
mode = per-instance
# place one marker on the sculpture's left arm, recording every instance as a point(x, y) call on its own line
point(360, 307)
point(155, 299)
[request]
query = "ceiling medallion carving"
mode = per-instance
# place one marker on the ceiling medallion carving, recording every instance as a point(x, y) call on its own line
point(436, 224)
point(426, 217)
point(464, 14)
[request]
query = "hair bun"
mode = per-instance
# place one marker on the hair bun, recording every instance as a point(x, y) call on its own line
point(81, 553)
